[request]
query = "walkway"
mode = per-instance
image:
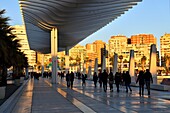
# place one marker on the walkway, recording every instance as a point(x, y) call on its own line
point(41, 97)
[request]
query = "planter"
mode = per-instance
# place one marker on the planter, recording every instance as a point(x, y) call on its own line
point(22, 79)
point(17, 82)
point(2, 92)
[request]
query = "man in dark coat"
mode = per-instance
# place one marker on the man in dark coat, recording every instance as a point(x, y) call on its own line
point(141, 81)
point(68, 79)
point(95, 78)
point(148, 79)
point(117, 80)
point(100, 78)
point(127, 80)
point(72, 79)
point(104, 80)
point(111, 81)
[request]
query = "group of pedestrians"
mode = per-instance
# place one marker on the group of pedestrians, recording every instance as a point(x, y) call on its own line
point(70, 79)
point(123, 79)
point(118, 79)
point(144, 78)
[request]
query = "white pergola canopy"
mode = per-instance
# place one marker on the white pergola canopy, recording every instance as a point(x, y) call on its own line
point(74, 19)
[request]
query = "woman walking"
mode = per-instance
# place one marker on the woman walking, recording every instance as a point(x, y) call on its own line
point(117, 80)
point(111, 81)
point(83, 79)
point(141, 81)
point(127, 81)
point(95, 78)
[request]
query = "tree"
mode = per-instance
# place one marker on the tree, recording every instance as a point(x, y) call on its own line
point(62, 63)
point(78, 60)
point(143, 62)
point(10, 55)
point(5, 41)
point(167, 61)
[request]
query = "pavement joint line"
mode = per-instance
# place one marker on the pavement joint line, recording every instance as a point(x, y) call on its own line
point(122, 109)
point(73, 100)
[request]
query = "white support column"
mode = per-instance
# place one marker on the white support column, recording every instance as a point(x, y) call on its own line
point(152, 63)
point(54, 49)
point(42, 65)
point(103, 63)
point(67, 60)
point(132, 66)
point(89, 71)
point(115, 63)
point(96, 66)
point(82, 62)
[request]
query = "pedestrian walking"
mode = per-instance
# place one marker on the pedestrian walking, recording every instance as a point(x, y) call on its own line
point(83, 79)
point(68, 79)
point(100, 78)
point(71, 79)
point(127, 80)
point(62, 75)
point(104, 80)
point(148, 79)
point(141, 81)
point(111, 81)
point(95, 78)
point(117, 80)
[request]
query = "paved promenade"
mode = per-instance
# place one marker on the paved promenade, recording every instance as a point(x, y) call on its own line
point(39, 96)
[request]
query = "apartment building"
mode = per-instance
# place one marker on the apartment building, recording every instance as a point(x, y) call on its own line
point(20, 32)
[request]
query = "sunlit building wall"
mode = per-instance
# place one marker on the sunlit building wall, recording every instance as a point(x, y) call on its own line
point(20, 32)
point(97, 45)
point(122, 46)
point(140, 50)
point(76, 51)
point(143, 39)
point(89, 47)
point(164, 47)
point(91, 56)
point(117, 44)
point(77, 55)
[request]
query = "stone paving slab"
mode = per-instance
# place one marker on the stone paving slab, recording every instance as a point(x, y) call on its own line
point(48, 98)
point(126, 102)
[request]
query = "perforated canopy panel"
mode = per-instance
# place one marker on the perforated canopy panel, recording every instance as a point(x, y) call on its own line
point(74, 19)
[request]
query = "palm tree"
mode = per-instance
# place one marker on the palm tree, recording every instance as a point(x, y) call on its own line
point(78, 60)
point(10, 55)
point(5, 39)
point(62, 63)
point(167, 59)
point(143, 62)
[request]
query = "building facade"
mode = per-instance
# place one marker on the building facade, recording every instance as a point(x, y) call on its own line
point(140, 50)
point(97, 45)
point(139, 43)
point(164, 47)
point(20, 32)
point(117, 44)
point(143, 39)
point(77, 55)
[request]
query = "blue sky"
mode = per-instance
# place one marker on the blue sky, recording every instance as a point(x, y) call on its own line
point(149, 16)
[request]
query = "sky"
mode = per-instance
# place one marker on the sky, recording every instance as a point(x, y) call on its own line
point(149, 17)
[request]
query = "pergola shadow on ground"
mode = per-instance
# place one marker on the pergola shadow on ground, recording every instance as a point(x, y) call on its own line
point(40, 96)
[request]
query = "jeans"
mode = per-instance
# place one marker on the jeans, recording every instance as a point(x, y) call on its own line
point(148, 86)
